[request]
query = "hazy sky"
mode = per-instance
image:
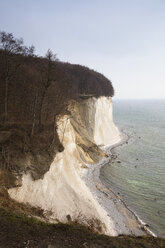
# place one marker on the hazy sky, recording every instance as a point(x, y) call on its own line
point(123, 39)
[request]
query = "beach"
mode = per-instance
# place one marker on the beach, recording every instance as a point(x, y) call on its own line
point(124, 219)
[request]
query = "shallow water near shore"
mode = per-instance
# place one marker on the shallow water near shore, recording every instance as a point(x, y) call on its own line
point(140, 177)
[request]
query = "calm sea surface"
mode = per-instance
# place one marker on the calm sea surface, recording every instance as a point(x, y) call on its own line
point(140, 177)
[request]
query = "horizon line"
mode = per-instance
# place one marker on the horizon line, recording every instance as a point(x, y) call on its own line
point(117, 98)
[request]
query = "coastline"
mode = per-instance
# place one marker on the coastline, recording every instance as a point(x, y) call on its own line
point(125, 220)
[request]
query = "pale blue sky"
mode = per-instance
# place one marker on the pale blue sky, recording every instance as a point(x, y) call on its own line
point(123, 39)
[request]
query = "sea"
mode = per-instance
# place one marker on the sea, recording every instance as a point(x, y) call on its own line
point(138, 173)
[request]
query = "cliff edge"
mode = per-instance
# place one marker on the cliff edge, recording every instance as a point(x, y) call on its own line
point(62, 193)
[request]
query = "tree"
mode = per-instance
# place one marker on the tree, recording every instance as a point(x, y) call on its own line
point(12, 46)
point(47, 79)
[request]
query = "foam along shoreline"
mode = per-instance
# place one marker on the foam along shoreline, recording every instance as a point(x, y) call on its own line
point(62, 192)
point(124, 219)
point(124, 140)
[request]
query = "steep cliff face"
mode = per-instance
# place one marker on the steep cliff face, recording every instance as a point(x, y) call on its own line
point(62, 193)
point(97, 117)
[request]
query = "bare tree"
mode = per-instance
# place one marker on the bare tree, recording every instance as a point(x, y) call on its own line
point(34, 113)
point(46, 82)
point(10, 46)
point(13, 45)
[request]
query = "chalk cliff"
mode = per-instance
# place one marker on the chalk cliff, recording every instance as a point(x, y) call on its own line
point(62, 193)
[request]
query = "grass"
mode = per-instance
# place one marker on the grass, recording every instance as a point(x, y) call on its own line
point(18, 230)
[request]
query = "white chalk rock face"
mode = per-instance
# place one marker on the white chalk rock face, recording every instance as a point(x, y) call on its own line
point(105, 131)
point(62, 194)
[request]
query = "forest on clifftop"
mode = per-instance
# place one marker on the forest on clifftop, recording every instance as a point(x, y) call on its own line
point(31, 85)
point(34, 90)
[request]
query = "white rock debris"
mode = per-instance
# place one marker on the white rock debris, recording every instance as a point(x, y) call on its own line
point(62, 192)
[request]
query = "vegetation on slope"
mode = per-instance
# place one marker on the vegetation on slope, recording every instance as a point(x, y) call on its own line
point(16, 230)
point(33, 92)
point(19, 231)
point(36, 87)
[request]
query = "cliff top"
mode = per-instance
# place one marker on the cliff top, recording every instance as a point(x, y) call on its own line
point(34, 90)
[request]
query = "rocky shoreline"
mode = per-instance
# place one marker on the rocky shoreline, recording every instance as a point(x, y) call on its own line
point(123, 219)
